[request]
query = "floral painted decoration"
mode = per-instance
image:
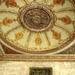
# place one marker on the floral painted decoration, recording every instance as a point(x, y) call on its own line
point(59, 2)
point(19, 35)
point(11, 3)
point(56, 35)
point(7, 21)
point(66, 20)
point(38, 40)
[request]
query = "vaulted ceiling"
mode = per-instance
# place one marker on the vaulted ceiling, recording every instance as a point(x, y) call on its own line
point(31, 28)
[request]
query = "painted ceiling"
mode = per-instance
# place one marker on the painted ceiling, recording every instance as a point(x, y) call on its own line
point(32, 28)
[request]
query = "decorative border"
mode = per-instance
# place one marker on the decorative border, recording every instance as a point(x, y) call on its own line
point(53, 58)
point(41, 52)
point(43, 58)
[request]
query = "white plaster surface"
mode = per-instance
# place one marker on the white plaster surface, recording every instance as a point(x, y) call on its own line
point(22, 68)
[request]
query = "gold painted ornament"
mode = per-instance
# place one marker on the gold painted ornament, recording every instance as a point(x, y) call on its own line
point(56, 35)
point(59, 2)
point(66, 20)
point(7, 21)
point(19, 35)
point(38, 40)
point(11, 3)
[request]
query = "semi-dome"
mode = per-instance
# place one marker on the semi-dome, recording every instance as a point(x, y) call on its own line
point(36, 27)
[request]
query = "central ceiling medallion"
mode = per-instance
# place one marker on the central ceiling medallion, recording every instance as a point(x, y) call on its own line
point(36, 18)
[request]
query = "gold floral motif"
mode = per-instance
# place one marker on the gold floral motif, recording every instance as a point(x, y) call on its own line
point(7, 21)
point(56, 35)
point(58, 2)
point(11, 3)
point(38, 40)
point(19, 35)
point(66, 20)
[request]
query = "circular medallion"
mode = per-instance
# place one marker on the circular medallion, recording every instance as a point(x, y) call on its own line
point(36, 18)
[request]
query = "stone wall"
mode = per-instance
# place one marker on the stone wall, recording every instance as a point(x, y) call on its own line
point(22, 68)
